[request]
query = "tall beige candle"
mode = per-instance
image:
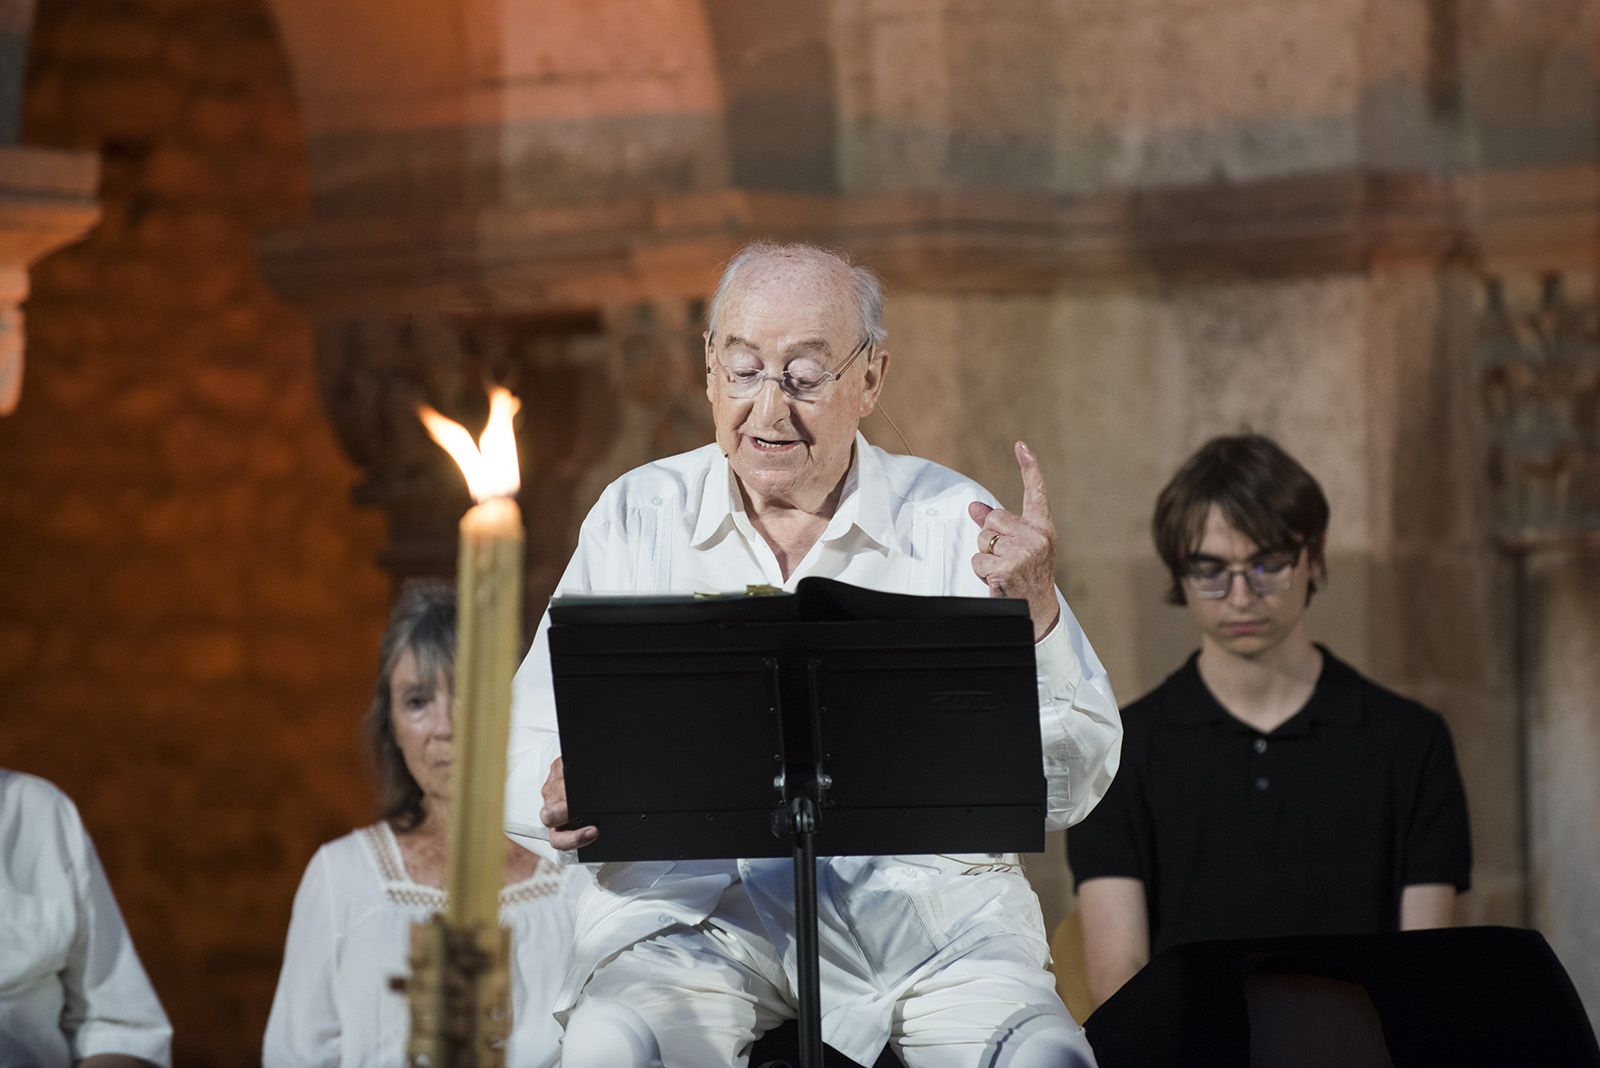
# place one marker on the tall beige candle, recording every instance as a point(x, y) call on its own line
point(488, 641)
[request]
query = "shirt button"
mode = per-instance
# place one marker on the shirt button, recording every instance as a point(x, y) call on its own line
point(933, 511)
point(655, 501)
point(1261, 782)
point(1261, 745)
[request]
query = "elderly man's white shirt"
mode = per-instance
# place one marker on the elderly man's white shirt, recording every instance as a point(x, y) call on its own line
point(71, 985)
point(679, 526)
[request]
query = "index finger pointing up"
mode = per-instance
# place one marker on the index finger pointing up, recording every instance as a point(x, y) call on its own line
point(1035, 504)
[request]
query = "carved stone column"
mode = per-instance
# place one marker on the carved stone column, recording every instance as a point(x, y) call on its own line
point(1540, 359)
point(601, 392)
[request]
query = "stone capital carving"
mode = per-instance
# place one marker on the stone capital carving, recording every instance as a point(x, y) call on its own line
point(1541, 389)
point(47, 200)
point(601, 391)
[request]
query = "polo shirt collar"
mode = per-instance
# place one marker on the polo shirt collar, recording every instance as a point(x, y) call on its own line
point(865, 504)
point(1336, 699)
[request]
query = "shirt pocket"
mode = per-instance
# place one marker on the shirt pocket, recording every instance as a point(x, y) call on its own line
point(35, 938)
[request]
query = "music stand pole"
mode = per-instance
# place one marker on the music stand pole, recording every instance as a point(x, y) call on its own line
point(802, 817)
point(797, 820)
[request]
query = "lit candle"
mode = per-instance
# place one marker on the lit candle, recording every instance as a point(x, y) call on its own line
point(489, 625)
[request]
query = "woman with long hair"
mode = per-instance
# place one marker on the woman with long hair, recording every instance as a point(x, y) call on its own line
point(350, 931)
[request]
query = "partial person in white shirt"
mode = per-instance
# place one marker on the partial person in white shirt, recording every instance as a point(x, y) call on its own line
point(943, 957)
point(351, 927)
point(72, 991)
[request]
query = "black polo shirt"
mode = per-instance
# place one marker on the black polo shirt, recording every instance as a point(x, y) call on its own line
point(1313, 828)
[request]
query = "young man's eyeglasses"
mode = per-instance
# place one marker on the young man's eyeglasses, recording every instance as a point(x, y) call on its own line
point(803, 379)
point(1210, 578)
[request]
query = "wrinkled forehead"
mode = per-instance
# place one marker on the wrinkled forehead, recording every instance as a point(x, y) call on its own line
point(790, 297)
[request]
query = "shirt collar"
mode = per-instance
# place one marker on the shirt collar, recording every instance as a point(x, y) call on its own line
point(1336, 699)
point(866, 503)
point(716, 502)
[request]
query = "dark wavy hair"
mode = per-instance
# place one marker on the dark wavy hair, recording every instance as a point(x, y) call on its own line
point(423, 620)
point(1263, 492)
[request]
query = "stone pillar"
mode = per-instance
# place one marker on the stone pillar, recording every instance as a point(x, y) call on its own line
point(1560, 636)
point(1538, 347)
point(46, 198)
point(1530, 81)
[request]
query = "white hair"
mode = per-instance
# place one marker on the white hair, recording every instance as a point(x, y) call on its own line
point(864, 284)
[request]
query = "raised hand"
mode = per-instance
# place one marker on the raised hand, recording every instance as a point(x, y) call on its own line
point(1016, 554)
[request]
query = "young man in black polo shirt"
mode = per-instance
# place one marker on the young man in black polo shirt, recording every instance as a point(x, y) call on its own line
point(1266, 788)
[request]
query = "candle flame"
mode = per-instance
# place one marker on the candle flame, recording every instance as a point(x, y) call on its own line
point(490, 464)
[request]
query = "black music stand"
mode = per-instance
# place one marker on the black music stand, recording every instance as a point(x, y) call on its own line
point(1462, 996)
point(834, 721)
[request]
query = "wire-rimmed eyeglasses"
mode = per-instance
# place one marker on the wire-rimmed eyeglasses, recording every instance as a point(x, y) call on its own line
point(1211, 579)
point(803, 379)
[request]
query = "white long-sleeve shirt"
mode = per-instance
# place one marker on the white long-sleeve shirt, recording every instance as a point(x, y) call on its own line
point(678, 526)
point(71, 985)
point(350, 933)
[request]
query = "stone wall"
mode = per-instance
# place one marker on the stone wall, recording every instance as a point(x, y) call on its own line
point(191, 605)
point(1363, 365)
point(1115, 389)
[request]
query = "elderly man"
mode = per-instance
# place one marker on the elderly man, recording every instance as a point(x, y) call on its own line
point(943, 956)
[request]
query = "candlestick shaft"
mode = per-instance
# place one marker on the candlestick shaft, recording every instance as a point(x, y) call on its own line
point(487, 645)
point(460, 995)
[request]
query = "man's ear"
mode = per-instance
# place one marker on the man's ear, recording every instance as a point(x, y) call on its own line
point(1316, 557)
point(872, 384)
point(1316, 567)
point(705, 352)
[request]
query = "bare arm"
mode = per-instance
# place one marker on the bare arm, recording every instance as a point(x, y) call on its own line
point(1425, 905)
point(1116, 932)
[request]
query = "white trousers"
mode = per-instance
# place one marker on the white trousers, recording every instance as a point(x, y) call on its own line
point(699, 998)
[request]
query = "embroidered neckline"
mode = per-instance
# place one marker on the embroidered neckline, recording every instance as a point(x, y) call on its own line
point(401, 889)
